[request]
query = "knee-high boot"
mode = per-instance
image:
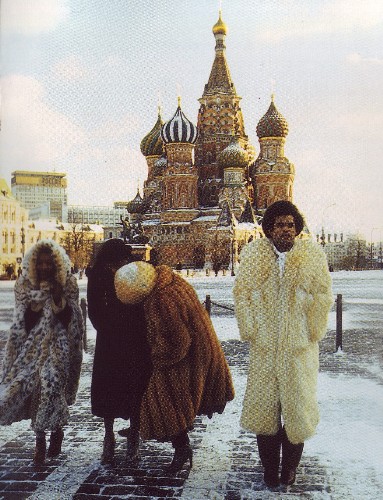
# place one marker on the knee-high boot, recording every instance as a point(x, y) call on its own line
point(40, 450)
point(291, 456)
point(55, 443)
point(269, 448)
point(182, 452)
point(107, 456)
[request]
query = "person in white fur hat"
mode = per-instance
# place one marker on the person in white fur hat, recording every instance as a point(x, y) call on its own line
point(43, 354)
point(190, 374)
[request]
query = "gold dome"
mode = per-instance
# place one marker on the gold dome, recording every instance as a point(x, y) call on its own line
point(220, 27)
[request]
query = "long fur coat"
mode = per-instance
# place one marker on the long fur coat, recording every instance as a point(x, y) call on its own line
point(190, 373)
point(41, 365)
point(283, 318)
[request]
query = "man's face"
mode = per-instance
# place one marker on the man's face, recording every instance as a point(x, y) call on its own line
point(283, 233)
point(45, 266)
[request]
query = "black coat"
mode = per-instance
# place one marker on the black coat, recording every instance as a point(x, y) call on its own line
point(122, 366)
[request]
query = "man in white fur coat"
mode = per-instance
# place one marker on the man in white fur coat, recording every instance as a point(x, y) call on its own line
point(282, 296)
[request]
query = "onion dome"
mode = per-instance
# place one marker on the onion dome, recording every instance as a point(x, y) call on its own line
point(233, 155)
point(272, 124)
point(136, 205)
point(151, 144)
point(179, 128)
point(220, 27)
point(160, 165)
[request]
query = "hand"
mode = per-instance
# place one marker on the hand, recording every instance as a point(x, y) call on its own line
point(57, 293)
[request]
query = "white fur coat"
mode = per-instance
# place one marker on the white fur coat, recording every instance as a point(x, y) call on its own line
point(283, 318)
point(41, 368)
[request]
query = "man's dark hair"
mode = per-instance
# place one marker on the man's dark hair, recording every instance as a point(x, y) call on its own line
point(278, 208)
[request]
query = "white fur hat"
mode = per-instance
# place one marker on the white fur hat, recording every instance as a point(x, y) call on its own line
point(134, 282)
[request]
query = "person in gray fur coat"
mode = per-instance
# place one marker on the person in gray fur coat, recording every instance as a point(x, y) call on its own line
point(43, 354)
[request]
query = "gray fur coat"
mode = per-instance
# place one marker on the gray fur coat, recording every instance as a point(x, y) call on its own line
point(41, 365)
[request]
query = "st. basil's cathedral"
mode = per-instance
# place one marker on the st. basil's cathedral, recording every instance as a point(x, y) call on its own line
point(206, 191)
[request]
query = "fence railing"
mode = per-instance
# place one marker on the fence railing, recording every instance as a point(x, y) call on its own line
point(208, 303)
point(339, 310)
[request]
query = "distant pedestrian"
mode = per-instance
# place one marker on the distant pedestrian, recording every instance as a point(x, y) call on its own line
point(282, 298)
point(122, 364)
point(43, 354)
point(190, 373)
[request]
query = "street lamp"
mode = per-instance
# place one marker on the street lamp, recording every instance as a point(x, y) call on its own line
point(22, 230)
point(323, 238)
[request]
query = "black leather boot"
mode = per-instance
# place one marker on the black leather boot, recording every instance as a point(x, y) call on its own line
point(55, 443)
point(40, 450)
point(269, 448)
point(107, 456)
point(291, 456)
point(132, 445)
point(181, 455)
point(182, 452)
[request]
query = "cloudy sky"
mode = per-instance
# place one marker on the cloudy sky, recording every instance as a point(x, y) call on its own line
point(82, 80)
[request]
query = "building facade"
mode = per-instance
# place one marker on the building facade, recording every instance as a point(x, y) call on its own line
point(34, 189)
point(206, 190)
point(19, 233)
point(104, 216)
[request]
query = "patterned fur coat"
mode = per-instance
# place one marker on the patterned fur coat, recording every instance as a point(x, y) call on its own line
point(283, 318)
point(190, 373)
point(41, 365)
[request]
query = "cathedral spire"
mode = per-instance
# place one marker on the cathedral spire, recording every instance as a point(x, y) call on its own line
point(220, 79)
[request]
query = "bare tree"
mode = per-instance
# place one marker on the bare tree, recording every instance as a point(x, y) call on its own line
point(78, 244)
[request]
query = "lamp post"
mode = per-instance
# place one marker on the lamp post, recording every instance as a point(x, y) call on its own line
point(22, 231)
point(323, 238)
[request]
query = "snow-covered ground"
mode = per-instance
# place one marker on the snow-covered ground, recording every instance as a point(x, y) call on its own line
point(349, 439)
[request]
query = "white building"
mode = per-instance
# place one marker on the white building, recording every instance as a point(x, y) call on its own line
point(344, 253)
point(34, 189)
point(104, 216)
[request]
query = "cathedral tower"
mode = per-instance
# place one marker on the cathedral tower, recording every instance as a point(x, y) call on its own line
point(272, 173)
point(219, 118)
point(233, 160)
point(179, 192)
point(152, 148)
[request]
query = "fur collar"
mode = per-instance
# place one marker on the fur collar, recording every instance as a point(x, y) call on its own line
point(165, 276)
point(60, 258)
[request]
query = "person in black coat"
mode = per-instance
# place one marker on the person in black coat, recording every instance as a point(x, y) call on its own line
point(122, 364)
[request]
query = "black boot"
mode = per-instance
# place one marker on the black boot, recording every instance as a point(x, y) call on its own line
point(132, 445)
point(291, 456)
point(181, 455)
point(55, 443)
point(182, 452)
point(107, 456)
point(269, 448)
point(40, 450)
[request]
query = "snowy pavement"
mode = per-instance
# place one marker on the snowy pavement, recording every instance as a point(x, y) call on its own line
point(344, 460)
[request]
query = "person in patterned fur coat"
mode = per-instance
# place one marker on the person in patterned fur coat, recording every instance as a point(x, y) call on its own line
point(282, 297)
point(190, 374)
point(43, 354)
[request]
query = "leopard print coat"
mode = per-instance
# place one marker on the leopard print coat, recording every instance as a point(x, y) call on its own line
point(41, 365)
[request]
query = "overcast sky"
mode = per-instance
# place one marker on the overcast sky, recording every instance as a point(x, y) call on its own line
point(82, 80)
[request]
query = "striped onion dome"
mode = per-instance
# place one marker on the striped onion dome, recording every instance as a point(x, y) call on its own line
point(220, 27)
point(151, 144)
point(272, 124)
point(179, 129)
point(233, 155)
